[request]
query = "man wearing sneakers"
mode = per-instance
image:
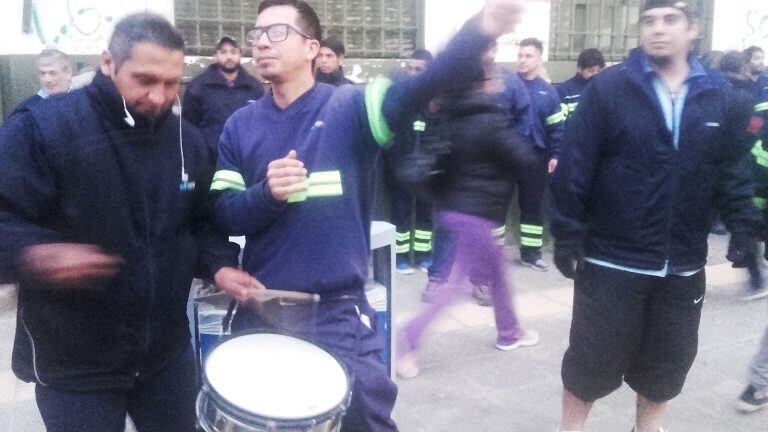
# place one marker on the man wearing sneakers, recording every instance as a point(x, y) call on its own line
point(547, 127)
point(656, 144)
point(412, 215)
point(755, 396)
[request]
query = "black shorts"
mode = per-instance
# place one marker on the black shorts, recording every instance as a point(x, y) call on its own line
point(641, 328)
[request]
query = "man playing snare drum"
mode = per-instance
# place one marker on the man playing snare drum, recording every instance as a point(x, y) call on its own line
point(295, 176)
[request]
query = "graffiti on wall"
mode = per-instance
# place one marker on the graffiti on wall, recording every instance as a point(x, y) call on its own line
point(756, 32)
point(76, 26)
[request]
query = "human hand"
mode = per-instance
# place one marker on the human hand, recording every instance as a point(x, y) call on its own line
point(500, 17)
point(552, 166)
point(237, 283)
point(69, 265)
point(286, 176)
point(568, 259)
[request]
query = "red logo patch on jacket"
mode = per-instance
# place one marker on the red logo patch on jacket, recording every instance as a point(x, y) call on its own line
point(755, 125)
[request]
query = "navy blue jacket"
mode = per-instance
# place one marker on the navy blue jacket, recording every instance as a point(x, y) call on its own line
point(570, 93)
point(547, 116)
point(623, 190)
point(210, 99)
point(28, 102)
point(762, 102)
point(335, 79)
point(75, 172)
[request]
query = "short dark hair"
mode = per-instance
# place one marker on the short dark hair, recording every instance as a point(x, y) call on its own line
point(308, 20)
point(534, 43)
point(334, 45)
point(749, 52)
point(142, 28)
point(685, 7)
point(590, 58)
point(422, 54)
point(734, 62)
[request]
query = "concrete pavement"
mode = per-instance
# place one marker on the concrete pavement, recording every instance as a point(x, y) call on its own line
point(467, 385)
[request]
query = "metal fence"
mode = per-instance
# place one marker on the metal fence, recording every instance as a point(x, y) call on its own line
point(369, 28)
point(609, 25)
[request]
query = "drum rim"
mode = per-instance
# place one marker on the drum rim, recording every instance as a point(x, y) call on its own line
point(240, 414)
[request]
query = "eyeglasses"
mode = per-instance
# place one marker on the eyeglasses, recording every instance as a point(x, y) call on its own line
point(275, 33)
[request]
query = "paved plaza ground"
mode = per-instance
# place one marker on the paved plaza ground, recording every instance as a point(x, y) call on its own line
point(466, 385)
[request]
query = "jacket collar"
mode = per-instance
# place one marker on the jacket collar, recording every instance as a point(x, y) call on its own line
point(333, 78)
point(103, 90)
point(212, 76)
point(577, 78)
point(640, 70)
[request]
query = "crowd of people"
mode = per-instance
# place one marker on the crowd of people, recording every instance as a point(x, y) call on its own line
point(111, 202)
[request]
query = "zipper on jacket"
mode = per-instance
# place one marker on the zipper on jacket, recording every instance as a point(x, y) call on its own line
point(34, 351)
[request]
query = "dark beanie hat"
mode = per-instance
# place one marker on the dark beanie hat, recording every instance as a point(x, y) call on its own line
point(683, 6)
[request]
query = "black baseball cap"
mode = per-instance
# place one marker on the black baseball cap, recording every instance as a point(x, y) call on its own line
point(683, 6)
point(226, 39)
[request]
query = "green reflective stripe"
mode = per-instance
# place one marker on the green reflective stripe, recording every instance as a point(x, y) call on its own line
point(555, 118)
point(222, 185)
point(761, 156)
point(761, 107)
point(403, 249)
point(760, 203)
point(324, 190)
point(500, 231)
point(423, 235)
point(531, 242)
point(419, 126)
point(401, 237)
point(572, 107)
point(421, 247)
point(320, 184)
point(374, 101)
point(532, 229)
point(228, 180)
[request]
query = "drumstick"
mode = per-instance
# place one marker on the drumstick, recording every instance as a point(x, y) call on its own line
point(266, 295)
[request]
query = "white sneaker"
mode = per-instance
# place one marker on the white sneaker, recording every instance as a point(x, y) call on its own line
point(529, 338)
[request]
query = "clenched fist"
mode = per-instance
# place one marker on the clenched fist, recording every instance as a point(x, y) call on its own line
point(286, 176)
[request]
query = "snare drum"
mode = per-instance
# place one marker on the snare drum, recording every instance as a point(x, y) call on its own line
point(265, 382)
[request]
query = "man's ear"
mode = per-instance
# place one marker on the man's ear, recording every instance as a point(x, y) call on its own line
point(341, 60)
point(312, 49)
point(107, 65)
point(695, 29)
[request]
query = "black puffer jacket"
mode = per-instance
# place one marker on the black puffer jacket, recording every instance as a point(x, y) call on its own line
point(486, 154)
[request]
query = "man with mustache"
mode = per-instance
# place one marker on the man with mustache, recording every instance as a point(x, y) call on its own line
point(103, 214)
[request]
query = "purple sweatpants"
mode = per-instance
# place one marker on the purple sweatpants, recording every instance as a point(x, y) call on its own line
point(476, 249)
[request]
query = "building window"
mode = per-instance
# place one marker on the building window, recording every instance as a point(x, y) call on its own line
point(369, 28)
point(608, 25)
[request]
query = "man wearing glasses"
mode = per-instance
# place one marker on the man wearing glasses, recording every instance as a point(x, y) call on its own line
point(295, 177)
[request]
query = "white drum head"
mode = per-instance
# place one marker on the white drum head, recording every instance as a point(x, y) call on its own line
point(277, 377)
